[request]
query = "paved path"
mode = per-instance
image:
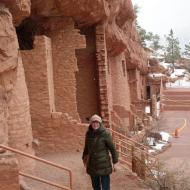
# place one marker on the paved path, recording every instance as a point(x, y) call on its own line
point(120, 180)
point(177, 157)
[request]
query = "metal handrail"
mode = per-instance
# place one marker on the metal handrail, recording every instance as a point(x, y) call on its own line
point(128, 163)
point(43, 181)
point(125, 143)
point(127, 138)
point(43, 161)
point(137, 148)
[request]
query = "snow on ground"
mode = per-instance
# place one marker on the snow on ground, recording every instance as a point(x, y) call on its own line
point(165, 136)
point(151, 151)
point(178, 73)
point(183, 79)
point(180, 83)
point(166, 65)
point(157, 174)
point(153, 75)
point(150, 141)
point(158, 145)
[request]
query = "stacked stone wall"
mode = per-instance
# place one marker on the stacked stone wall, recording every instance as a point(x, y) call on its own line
point(38, 71)
point(38, 65)
point(120, 81)
point(64, 43)
point(101, 57)
point(87, 78)
point(53, 130)
point(133, 84)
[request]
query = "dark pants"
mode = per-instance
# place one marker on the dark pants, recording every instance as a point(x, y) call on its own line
point(101, 182)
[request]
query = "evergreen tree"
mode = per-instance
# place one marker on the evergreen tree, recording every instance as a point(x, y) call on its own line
point(172, 50)
point(147, 39)
point(187, 50)
point(155, 42)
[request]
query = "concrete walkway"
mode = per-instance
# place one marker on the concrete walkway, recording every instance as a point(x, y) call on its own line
point(177, 157)
point(120, 180)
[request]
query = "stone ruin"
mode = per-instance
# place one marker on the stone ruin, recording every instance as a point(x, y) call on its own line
point(61, 61)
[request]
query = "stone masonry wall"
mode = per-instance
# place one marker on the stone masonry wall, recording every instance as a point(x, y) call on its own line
point(39, 74)
point(64, 43)
point(133, 84)
point(101, 56)
point(141, 83)
point(121, 98)
point(53, 130)
point(86, 78)
point(120, 81)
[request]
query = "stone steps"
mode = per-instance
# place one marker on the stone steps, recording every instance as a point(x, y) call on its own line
point(176, 108)
point(176, 93)
point(176, 100)
point(177, 97)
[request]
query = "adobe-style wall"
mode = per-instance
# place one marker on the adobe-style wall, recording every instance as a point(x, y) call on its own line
point(64, 43)
point(119, 77)
point(87, 77)
point(103, 79)
point(121, 98)
point(39, 77)
point(53, 130)
point(39, 74)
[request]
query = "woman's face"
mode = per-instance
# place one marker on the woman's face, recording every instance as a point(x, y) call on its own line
point(95, 125)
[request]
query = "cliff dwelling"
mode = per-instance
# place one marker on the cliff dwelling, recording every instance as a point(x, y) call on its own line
point(60, 63)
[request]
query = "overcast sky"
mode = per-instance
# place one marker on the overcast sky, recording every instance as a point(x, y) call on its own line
point(159, 16)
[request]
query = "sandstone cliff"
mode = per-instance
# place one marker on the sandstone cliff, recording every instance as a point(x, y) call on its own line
point(118, 17)
point(60, 20)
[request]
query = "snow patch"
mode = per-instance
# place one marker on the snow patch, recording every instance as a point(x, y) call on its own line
point(165, 136)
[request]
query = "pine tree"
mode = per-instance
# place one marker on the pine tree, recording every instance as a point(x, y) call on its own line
point(147, 39)
point(155, 42)
point(172, 51)
point(187, 50)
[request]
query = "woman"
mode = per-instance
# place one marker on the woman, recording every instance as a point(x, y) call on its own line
point(98, 145)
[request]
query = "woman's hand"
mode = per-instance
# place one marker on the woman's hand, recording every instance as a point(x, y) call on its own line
point(115, 167)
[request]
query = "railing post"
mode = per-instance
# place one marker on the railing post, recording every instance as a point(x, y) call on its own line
point(142, 172)
point(119, 148)
point(133, 158)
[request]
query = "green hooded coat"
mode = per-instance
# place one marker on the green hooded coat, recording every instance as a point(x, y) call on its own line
point(98, 144)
